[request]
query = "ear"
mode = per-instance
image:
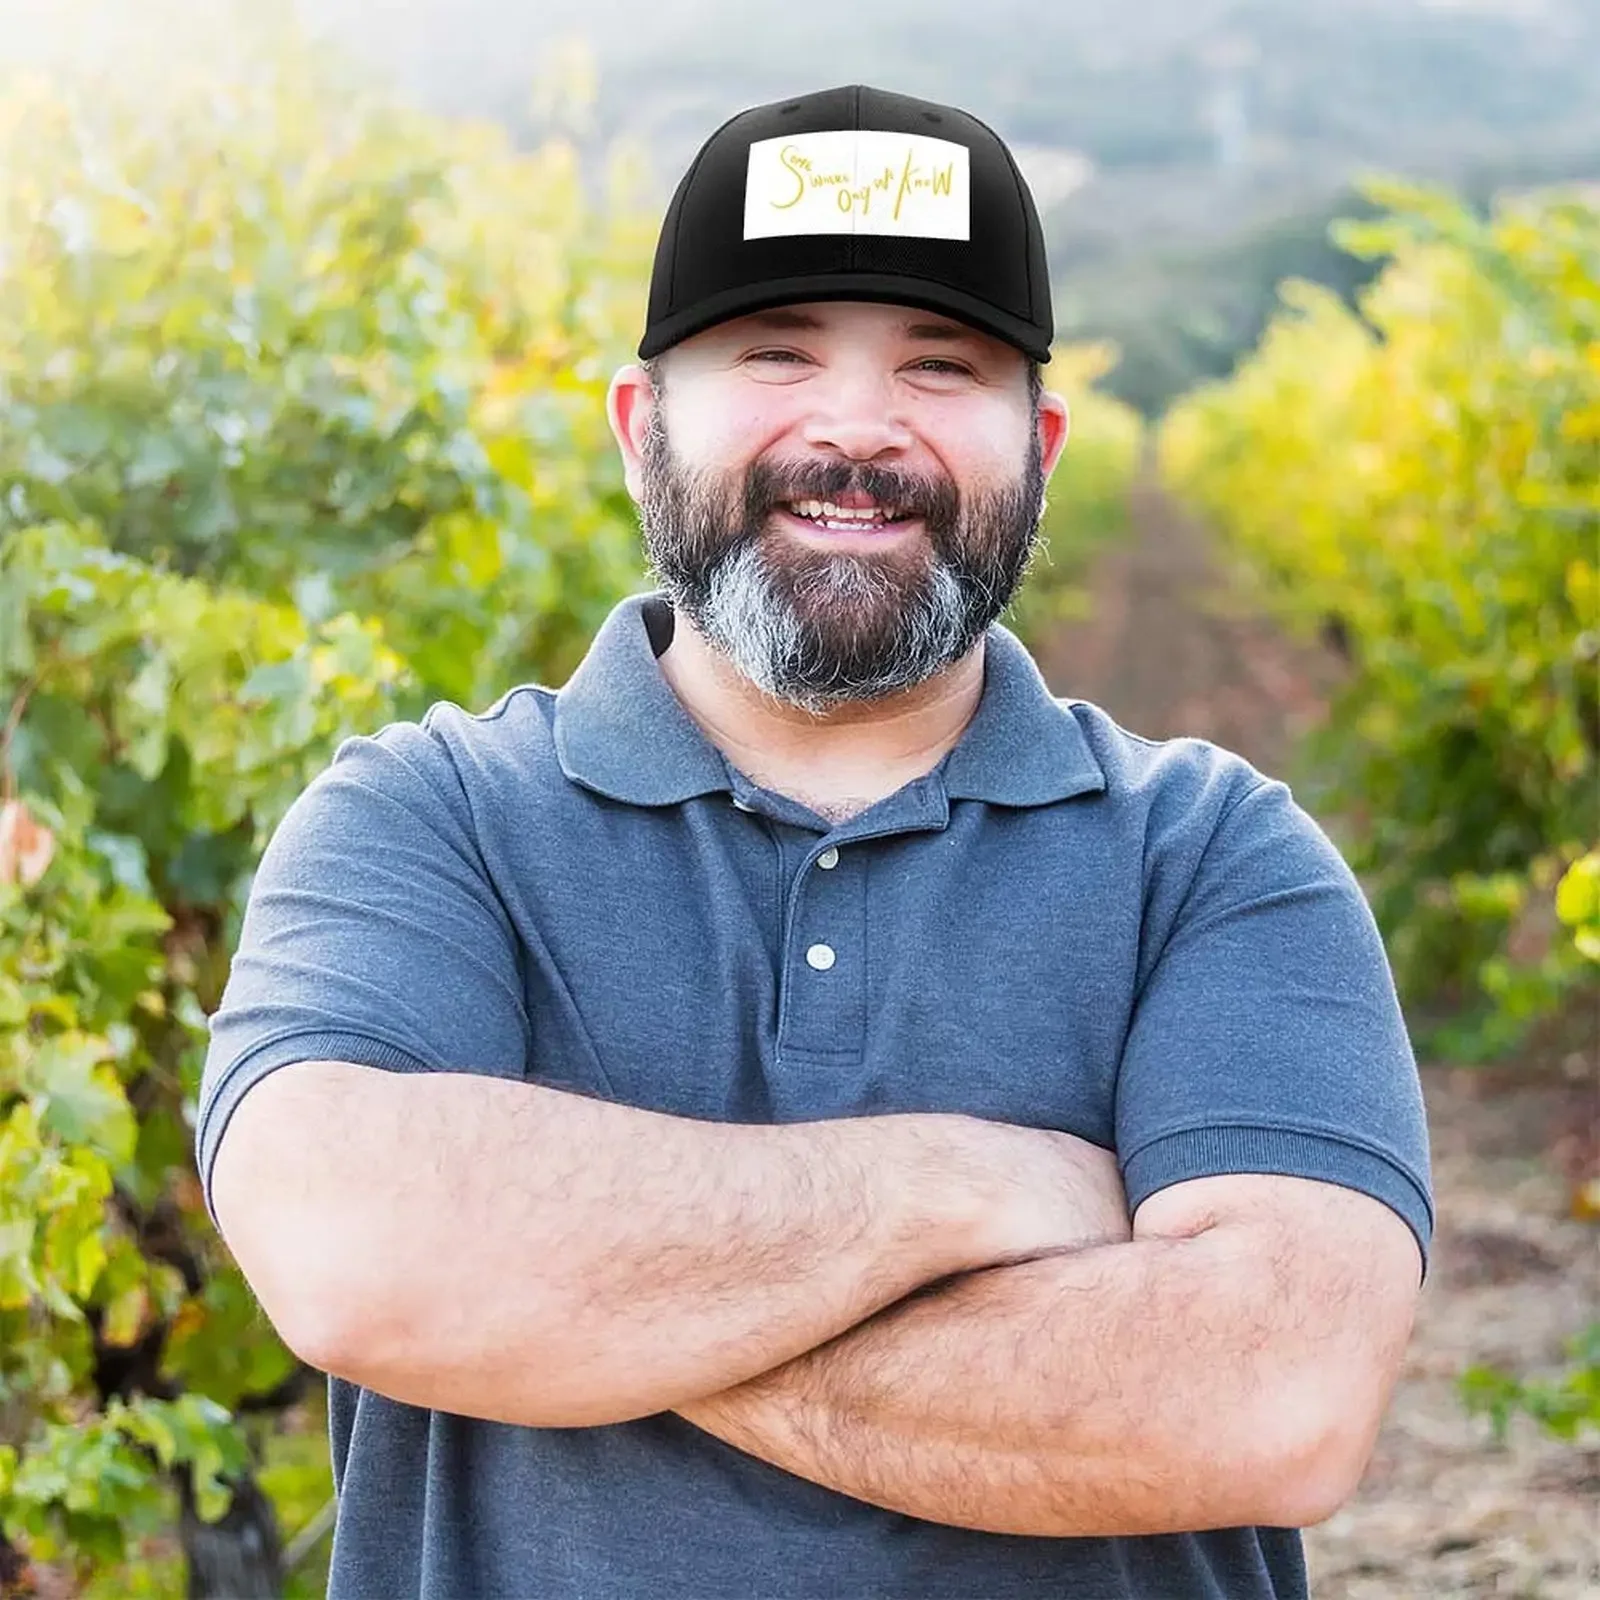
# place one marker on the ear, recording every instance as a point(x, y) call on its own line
point(1055, 423)
point(629, 402)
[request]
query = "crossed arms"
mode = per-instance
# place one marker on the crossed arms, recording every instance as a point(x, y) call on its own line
point(948, 1317)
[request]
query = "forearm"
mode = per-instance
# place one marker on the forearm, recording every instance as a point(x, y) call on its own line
point(1106, 1392)
point(503, 1250)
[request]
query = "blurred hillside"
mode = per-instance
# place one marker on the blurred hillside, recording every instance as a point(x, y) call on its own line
point(1186, 153)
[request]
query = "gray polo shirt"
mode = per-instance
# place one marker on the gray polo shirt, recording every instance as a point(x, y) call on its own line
point(1063, 925)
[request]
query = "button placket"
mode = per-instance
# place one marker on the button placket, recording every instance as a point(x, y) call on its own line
point(821, 957)
point(824, 1006)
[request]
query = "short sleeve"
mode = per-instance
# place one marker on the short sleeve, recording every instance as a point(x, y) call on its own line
point(1268, 1036)
point(371, 934)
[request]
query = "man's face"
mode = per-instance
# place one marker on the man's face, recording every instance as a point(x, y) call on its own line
point(912, 416)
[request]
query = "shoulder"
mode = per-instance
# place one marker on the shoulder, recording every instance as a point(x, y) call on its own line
point(1203, 816)
point(448, 775)
point(458, 757)
point(1184, 783)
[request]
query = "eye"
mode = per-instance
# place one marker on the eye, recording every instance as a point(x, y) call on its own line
point(948, 366)
point(781, 355)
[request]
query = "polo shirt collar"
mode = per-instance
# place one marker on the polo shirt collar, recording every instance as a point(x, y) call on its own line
point(622, 732)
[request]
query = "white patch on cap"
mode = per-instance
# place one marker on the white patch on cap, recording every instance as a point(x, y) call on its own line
point(857, 181)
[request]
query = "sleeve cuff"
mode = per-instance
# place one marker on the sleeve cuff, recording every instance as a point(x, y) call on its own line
point(1215, 1151)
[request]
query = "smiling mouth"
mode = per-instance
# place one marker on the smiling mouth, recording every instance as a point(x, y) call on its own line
point(826, 517)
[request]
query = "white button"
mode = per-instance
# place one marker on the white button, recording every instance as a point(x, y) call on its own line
point(828, 859)
point(820, 956)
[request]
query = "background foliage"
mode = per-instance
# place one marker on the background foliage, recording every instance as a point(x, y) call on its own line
point(1421, 482)
point(1087, 496)
point(302, 397)
point(303, 430)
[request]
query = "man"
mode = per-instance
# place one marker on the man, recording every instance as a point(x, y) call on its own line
point(694, 1117)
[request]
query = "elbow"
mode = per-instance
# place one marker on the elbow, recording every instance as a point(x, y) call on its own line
point(315, 1325)
point(296, 1277)
point(301, 1300)
point(343, 1310)
point(1316, 1478)
point(1305, 1498)
point(1309, 1499)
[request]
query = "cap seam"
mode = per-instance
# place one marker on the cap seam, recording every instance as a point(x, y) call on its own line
point(685, 189)
point(855, 237)
point(1027, 243)
point(1024, 205)
point(1026, 209)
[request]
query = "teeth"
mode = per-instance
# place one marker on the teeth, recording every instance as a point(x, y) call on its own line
point(827, 510)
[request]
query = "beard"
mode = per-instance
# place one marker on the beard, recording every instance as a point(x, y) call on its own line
point(815, 628)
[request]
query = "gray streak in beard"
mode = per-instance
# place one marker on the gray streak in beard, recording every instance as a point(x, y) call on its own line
point(767, 642)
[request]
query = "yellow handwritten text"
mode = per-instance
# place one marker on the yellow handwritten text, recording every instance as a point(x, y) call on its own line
point(911, 180)
point(858, 197)
point(800, 167)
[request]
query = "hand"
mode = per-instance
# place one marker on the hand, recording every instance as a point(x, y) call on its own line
point(1047, 1192)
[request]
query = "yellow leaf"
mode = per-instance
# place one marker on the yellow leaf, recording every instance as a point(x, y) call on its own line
point(88, 1260)
point(126, 1315)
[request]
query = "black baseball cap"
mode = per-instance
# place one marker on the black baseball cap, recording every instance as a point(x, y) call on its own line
point(852, 193)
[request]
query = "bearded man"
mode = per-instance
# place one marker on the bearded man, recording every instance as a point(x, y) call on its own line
point(802, 1111)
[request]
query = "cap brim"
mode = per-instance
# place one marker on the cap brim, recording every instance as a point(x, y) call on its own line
point(881, 287)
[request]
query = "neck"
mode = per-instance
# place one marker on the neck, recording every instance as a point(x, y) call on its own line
point(858, 745)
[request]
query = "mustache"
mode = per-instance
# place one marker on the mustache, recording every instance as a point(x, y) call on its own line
point(767, 483)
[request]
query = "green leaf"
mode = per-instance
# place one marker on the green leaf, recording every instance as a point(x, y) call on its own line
point(79, 1100)
point(16, 646)
point(157, 458)
point(18, 1282)
point(125, 1316)
point(13, 1005)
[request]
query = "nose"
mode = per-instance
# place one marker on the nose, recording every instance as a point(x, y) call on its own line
point(858, 414)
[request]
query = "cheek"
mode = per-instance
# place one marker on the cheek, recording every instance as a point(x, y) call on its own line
point(980, 448)
point(734, 431)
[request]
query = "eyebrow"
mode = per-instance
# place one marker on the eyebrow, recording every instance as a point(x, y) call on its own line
point(942, 332)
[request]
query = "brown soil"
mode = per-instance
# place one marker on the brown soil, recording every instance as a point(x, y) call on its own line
point(1442, 1510)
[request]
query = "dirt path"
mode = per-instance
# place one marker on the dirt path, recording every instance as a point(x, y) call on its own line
point(1442, 1511)
point(1168, 648)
